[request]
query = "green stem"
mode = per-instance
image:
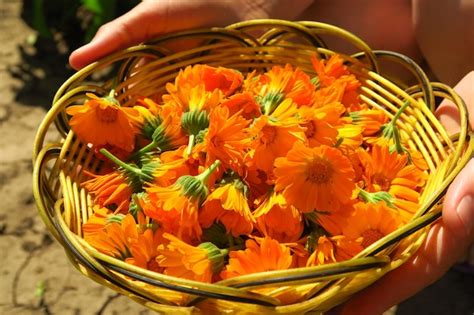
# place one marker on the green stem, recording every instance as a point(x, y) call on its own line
point(400, 111)
point(190, 144)
point(230, 239)
point(120, 163)
point(150, 146)
point(203, 177)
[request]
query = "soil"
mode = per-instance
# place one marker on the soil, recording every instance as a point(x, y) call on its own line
point(36, 276)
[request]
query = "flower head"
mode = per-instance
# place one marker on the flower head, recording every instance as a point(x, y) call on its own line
point(333, 249)
point(263, 255)
point(320, 178)
point(103, 121)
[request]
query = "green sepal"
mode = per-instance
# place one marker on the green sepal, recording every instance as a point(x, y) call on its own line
point(215, 255)
point(377, 197)
point(194, 121)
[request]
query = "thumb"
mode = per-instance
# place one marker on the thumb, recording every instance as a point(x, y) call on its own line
point(149, 19)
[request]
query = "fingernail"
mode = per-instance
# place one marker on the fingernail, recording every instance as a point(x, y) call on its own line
point(465, 212)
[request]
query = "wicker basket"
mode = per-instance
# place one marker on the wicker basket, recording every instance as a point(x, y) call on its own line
point(260, 44)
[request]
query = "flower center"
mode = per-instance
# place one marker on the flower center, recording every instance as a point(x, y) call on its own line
point(382, 181)
point(269, 134)
point(108, 114)
point(320, 171)
point(371, 236)
point(310, 129)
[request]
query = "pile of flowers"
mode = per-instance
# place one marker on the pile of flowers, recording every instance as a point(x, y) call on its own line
point(230, 174)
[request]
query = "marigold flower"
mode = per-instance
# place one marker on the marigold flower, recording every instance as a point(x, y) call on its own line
point(226, 139)
point(390, 172)
point(176, 206)
point(228, 204)
point(273, 138)
point(97, 221)
point(243, 103)
point(126, 240)
point(317, 129)
point(278, 219)
point(264, 255)
point(111, 189)
point(103, 121)
point(372, 120)
point(333, 249)
point(370, 222)
point(180, 259)
point(320, 178)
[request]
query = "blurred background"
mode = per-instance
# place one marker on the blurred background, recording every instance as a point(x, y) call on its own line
point(36, 38)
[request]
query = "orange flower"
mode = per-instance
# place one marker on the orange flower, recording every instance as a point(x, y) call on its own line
point(223, 79)
point(228, 204)
point(371, 222)
point(390, 172)
point(129, 241)
point(371, 119)
point(320, 178)
point(333, 249)
point(318, 129)
point(243, 103)
point(97, 221)
point(176, 206)
point(264, 255)
point(189, 99)
point(227, 139)
point(273, 138)
point(103, 121)
point(279, 220)
point(175, 164)
point(110, 190)
point(182, 260)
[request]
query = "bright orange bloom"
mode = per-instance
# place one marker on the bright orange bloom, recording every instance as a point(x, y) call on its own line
point(273, 138)
point(320, 178)
point(97, 221)
point(175, 164)
point(128, 240)
point(223, 79)
point(228, 204)
point(333, 73)
point(176, 212)
point(226, 139)
point(279, 220)
point(243, 103)
point(371, 222)
point(102, 121)
point(318, 129)
point(111, 189)
point(333, 249)
point(182, 260)
point(188, 99)
point(390, 172)
point(264, 255)
point(372, 120)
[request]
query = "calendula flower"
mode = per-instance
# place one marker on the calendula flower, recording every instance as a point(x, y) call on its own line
point(333, 249)
point(333, 73)
point(371, 120)
point(390, 172)
point(317, 129)
point(258, 256)
point(228, 204)
point(224, 79)
point(182, 260)
point(227, 139)
point(320, 178)
point(370, 222)
point(175, 164)
point(103, 121)
point(97, 221)
point(176, 206)
point(125, 239)
point(244, 104)
point(273, 138)
point(278, 219)
point(111, 189)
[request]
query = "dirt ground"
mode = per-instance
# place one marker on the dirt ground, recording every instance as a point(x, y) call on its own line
point(36, 277)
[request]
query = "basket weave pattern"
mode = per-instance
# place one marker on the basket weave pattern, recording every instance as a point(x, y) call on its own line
point(260, 44)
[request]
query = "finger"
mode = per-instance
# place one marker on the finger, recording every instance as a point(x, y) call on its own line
point(146, 20)
point(445, 243)
point(448, 113)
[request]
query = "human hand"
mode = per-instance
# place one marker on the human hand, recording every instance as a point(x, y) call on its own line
point(447, 240)
point(152, 18)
